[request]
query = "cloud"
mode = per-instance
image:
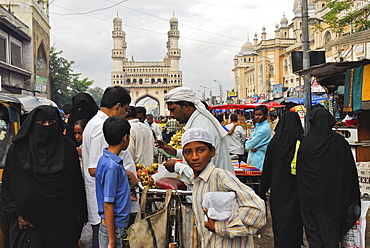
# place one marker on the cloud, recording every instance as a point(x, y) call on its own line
point(87, 40)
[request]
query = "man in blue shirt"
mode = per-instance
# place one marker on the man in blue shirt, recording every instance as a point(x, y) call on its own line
point(259, 139)
point(112, 184)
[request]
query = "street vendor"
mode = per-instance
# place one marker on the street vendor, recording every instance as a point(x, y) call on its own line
point(259, 139)
point(187, 108)
point(234, 228)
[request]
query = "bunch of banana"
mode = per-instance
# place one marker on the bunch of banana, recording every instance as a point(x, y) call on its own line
point(176, 139)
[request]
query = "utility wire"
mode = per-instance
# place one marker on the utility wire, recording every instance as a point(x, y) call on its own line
point(143, 29)
point(91, 11)
point(142, 12)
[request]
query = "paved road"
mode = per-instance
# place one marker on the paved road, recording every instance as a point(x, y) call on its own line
point(265, 237)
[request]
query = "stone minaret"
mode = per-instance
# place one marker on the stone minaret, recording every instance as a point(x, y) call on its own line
point(173, 51)
point(119, 44)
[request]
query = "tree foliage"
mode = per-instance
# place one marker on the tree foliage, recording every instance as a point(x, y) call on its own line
point(343, 14)
point(63, 81)
point(96, 94)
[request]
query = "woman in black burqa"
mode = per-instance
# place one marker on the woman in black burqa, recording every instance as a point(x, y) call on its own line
point(83, 107)
point(43, 196)
point(287, 223)
point(328, 186)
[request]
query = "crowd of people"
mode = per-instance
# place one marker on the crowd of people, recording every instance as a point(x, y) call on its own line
point(62, 178)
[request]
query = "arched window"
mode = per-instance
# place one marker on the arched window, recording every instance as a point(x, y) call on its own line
point(140, 81)
point(153, 80)
point(41, 61)
point(134, 81)
point(327, 37)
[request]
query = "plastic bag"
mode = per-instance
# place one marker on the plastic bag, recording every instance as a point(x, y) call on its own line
point(163, 172)
point(86, 236)
point(220, 205)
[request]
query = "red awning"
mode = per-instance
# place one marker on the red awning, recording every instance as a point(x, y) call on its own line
point(245, 106)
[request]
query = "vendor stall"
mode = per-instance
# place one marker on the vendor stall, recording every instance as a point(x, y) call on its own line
point(356, 97)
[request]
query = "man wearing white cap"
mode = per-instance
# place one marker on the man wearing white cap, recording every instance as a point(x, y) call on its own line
point(187, 108)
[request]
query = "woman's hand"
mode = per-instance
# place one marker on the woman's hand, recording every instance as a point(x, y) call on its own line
point(79, 151)
point(23, 224)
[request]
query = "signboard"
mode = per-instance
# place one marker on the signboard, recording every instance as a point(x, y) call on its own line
point(261, 97)
point(316, 88)
point(277, 90)
point(41, 83)
point(232, 94)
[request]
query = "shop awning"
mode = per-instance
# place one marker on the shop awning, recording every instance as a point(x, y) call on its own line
point(332, 73)
point(245, 106)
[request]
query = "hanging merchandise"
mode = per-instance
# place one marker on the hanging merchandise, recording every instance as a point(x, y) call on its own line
point(357, 89)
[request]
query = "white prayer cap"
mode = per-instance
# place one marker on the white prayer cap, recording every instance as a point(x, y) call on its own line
point(196, 134)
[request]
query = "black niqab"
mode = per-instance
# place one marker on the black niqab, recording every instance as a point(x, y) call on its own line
point(328, 186)
point(42, 144)
point(285, 210)
point(42, 182)
point(83, 107)
point(288, 130)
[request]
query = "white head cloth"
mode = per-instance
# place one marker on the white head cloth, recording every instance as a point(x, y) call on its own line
point(186, 94)
point(195, 134)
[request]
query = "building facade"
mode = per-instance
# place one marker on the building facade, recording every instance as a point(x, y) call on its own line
point(264, 70)
point(32, 53)
point(146, 79)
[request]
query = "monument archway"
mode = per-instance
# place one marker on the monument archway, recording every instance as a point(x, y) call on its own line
point(150, 103)
point(141, 94)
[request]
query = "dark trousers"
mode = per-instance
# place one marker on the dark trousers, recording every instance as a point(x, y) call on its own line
point(95, 236)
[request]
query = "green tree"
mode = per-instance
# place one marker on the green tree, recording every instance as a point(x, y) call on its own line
point(343, 14)
point(96, 93)
point(64, 82)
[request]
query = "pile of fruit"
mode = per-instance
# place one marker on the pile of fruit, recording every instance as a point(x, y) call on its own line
point(175, 141)
point(144, 174)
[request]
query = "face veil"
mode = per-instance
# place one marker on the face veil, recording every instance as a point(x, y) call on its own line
point(42, 146)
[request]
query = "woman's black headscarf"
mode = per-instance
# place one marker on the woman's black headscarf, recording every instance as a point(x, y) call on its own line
point(42, 179)
point(83, 107)
point(327, 179)
point(287, 132)
point(285, 210)
point(43, 144)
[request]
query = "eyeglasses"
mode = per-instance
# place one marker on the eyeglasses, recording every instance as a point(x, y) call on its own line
point(127, 109)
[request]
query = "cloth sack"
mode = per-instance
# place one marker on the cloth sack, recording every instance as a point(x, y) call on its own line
point(150, 230)
point(220, 205)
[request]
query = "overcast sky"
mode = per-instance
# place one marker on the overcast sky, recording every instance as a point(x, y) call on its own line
point(211, 33)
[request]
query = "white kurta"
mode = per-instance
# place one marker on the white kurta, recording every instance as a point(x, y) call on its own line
point(141, 147)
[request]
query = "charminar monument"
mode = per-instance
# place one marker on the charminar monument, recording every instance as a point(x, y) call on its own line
point(147, 80)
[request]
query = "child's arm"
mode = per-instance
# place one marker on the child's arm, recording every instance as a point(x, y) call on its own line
point(109, 219)
point(251, 215)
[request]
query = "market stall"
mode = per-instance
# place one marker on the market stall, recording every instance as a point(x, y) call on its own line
point(353, 78)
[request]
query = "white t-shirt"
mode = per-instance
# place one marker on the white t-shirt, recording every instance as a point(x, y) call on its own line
point(236, 139)
point(92, 149)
